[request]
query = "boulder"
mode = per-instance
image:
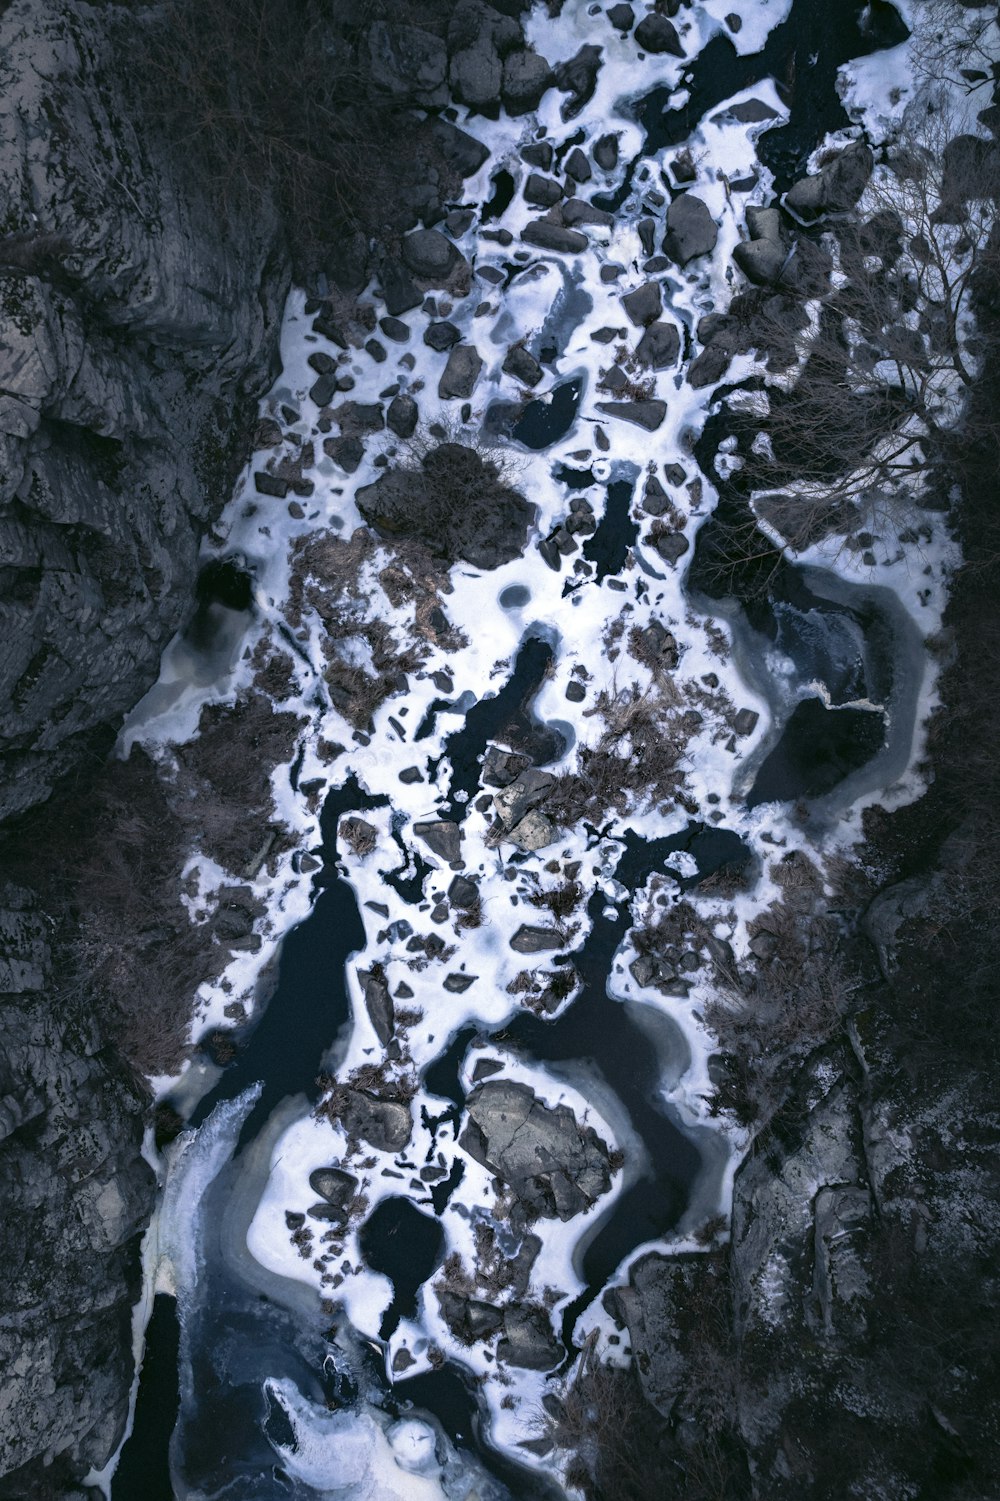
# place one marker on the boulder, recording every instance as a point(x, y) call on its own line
point(555, 1167)
point(621, 17)
point(644, 305)
point(551, 236)
point(469, 1319)
point(526, 77)
point(527, 791)
point(578, 211)
point(577, 166)
point(691, 230)
point(333, 1184)
point(672, 546)
point(535, 940)
point(522, 366)
point(384, 1124)
point(645, 414)
point(442, 336)
point(659, 346)
point(462, 152)
point(444, 837)
point(408, 64)
point(528, 1341)
point(402, 416)
point(606, 153)
point(834, 190)
point(476, 75)
point(378, 1004)
point(543, 192)
point(461, 373)
point(761, 261)
point(656, 34)
point(533, 832)
point(432, 257)
point(578, 78)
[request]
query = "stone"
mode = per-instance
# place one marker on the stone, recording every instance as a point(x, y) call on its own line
point(672, 546)
point(394, 329)
point(411, 774)
point(385, 1124)
point(533, 832)
point(528, 1341)
point(333, 1184)
point(745, 722)
point(644, 305)
point(400, 292)
point(578, 79)
point(522, 366)
point(469, 1319)
point(347, 452)
point(659, 346)
point(443, 837)
point(526, 791)
point(402, 416)
point(621, 17)
point(463, 893)
point(645, 414)
point(538, 154)
point(408, 63)
point(461, 373)
point(764, 224)
point(555, 1167)
point(577, 166)
point(378, 1004)
point(476, 74)
point(526, 77)
point(835, 189)
point(548, 235)
point(501, 767)
point(656, 34)
point(323, 390)
point(458, 984)
point(359, 417)
point(578, 211)
point(576, 692)
point(691, 230)
point(655, 500)
point(441, 336)
point(761, 261)
point(431, 256)
point(543, 192)
point(270, 484)
point(535, 940)
point(647, 234)
point(709, 366)
point(606, 152)
point(462, 152)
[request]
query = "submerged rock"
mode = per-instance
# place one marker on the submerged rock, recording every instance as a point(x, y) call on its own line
point(555, 1167)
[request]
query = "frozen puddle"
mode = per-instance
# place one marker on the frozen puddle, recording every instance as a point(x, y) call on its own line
point(508, 777)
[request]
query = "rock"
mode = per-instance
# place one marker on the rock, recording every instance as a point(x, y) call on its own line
point(691, 230)
point(550, 236)
point(501, 767)
point(461, 373)
point(394, 329)
point(127, 384)
point(378, 1004)
point(463, 893)
point(409, 64)
point(463, 153)
point(606, 153)
point(270, 484)
point(834, 190)
point(399, 291)
point(652, 1307)
point(578, 211)
point(645, 414)
point(621, 17)
point(576, 692)
point(532, 940)
point(655, 500)
point(359, 417)
point(578, 79)
point(533, 832)
point(432, 257)
point(528, 1341)
point(476, 74)
point(441, 336)
point(709, 366)
point(672, 546)
point(894, 907)
point(656, 34)
point(334, 1185)
point(443, 837)
point(458, 984)
point(402, 416)
point(745, 722)
point(555, 1167)
point(543, 192)
point(522, 366)
point(469, 1319)
point(643, 305)
point(384, 1124)
point(659, 346)
point(764, 224)
point(527, 791)
point(526, 77)
point(761, 261)
point(347, 452)
point(538, 154)
point(577, 166)
point(76, 1196)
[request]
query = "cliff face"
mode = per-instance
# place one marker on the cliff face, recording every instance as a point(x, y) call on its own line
point(139, 321)
point(138, 318)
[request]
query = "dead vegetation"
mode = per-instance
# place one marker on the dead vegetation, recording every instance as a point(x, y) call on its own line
point(635, 758)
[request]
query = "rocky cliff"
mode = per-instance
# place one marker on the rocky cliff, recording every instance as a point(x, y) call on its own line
point(138, 318)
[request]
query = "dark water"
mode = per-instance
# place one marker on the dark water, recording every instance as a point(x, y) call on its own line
point(143, 1470)
point(818, 748)
point(547, 419)
point(406, 1246)
point(607, 548)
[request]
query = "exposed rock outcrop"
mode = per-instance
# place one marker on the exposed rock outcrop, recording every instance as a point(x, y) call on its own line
point(136, 326)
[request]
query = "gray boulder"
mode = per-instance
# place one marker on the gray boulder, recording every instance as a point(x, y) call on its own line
point(379, 1005)
point(761, 261)
point(834, 190)
point(645, 414)
point(548, 235)
point(656, 34)
point(578, 78)
point(443, 837)
point(644, 305)
point(533, 832)
point(659, 346)
point(476, 75)
point(462, 152)
point(541, 191)
point(691, 230)
point(555, 1167)
point(384, 1124)
point(469, 1319)
point(526, 77)
point(527, 791)
point(461, 373)
point(535, 940)
point(402, 416)
point(408, 63)
point(333, 1184)
point(522, 365)
point(528, 1341)
point(432, 257)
